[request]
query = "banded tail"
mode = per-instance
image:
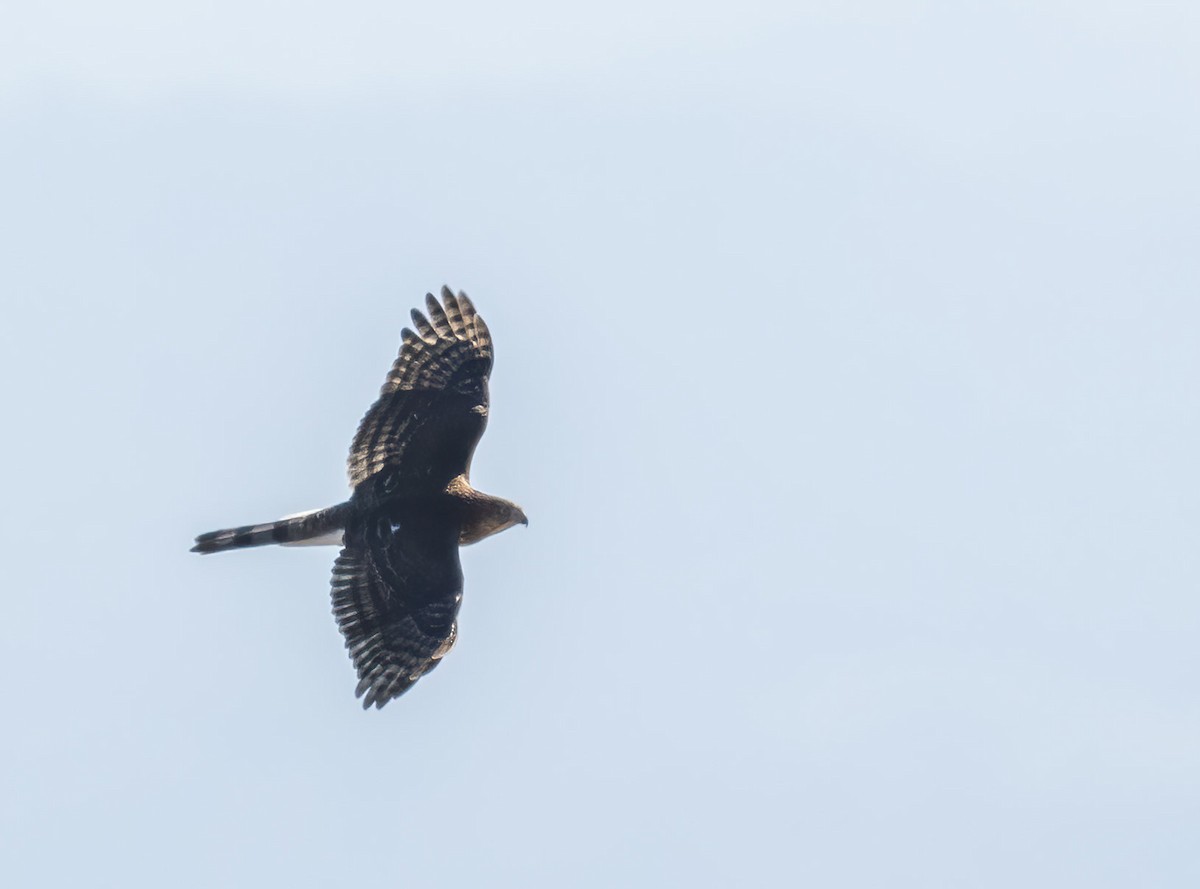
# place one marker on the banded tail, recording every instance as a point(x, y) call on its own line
point(313, 528)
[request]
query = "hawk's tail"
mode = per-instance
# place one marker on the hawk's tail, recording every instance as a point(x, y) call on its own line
point(319, 526)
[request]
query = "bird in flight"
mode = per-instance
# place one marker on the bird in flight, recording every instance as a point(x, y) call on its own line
point(397, 583)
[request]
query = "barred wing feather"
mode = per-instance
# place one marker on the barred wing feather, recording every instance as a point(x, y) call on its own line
point(396, 592)
point(432, 408)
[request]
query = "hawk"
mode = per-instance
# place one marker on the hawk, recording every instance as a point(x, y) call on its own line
point(397, 583)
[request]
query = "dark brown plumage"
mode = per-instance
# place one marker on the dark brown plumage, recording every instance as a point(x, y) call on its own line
point(397, 583)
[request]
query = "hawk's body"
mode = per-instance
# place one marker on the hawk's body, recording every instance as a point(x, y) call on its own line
point(397, 583)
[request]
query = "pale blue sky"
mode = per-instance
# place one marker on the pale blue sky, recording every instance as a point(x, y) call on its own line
point(846, 367)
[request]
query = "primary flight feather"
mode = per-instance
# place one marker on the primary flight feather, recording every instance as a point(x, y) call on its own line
point(397, 582)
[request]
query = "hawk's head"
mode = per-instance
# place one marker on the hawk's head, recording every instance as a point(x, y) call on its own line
point(509, 515)
point(490, 515)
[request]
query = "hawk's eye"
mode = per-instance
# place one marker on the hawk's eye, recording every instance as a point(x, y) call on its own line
point(469, 386)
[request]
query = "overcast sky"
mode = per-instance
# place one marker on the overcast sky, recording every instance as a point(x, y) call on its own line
point(846, 366)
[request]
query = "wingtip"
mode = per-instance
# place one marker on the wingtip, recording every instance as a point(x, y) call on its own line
point(425, 330)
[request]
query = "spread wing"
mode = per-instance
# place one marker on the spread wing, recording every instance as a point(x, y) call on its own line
point(432, 409)
point(397, 586)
